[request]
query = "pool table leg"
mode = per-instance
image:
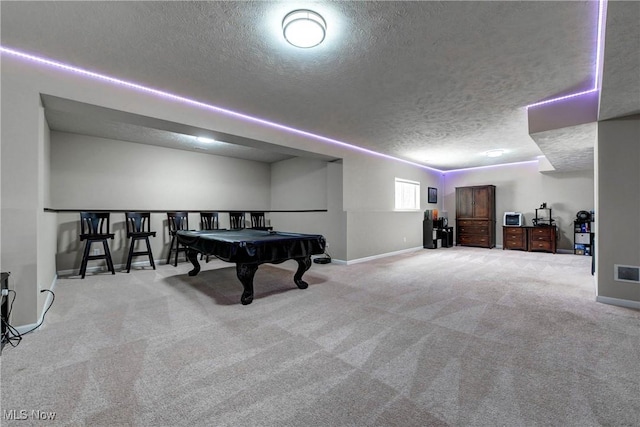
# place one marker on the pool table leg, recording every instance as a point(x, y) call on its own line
point(303, 265)
point(245, 273)
point(193, 257)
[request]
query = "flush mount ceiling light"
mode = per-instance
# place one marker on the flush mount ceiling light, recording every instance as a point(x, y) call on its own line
point(494, 153)
point(304, 28)
point(205, 140)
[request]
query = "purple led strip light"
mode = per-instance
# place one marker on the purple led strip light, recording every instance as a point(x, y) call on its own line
point(596, 78)
point(203, 105)
point(493, 166)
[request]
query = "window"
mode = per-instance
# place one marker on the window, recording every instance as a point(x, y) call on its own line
point(407, 195)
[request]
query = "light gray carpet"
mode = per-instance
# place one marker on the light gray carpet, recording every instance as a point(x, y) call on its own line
point(454, 336)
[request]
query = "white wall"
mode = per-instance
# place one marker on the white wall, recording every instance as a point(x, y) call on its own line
point(306, 184)
point(618, 210)
point(362, 220)
point(521, 188)
point(22, 199)
point(370, 183)
point(373, 226)
point(46, 220)
point(97, 173)
point(299, 184)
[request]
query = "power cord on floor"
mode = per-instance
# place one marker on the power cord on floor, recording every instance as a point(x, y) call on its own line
point(11, 334)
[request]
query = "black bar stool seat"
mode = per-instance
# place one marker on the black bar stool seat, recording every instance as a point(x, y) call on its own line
point(94, 227)
point(209, 221)
point(139, 228)
point(258, 221)
point(236, 220)
point(177, 221)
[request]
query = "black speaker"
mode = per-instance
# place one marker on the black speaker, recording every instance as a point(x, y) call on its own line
point(427, 234)
point(583, 216)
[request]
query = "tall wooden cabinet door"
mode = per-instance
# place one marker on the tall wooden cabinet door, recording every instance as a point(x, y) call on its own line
point(475, 216)
point(464, 202)
point(482, 202)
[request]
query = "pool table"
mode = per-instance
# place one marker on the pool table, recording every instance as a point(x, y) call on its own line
point(249, 248)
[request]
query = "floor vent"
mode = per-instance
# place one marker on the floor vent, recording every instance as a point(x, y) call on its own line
point(626, 273)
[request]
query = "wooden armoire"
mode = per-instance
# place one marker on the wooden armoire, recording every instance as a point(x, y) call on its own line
point(476, 216)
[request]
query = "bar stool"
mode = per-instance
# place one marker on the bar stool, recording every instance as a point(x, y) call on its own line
point(209, 221)
point(236, 220)
point(177, 221)
point(94, 227)
point(139, 228)
point(258, 221)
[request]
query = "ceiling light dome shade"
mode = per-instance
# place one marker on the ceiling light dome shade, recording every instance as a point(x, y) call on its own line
point(494, 153)
point(304, 28)
point(205, 140)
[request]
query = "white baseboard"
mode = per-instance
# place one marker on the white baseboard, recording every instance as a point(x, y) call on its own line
point(388, 254)
point(619, 302)
point(104, 269)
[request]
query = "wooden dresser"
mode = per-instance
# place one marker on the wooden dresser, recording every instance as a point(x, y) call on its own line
point(542, 238)
point(515, 238)
point(476, 216)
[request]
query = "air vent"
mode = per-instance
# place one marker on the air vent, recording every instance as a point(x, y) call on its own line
point(626, 273)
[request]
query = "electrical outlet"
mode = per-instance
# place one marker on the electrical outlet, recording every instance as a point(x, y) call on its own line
point(405, 239)
point(326, 245)
point(96, 251)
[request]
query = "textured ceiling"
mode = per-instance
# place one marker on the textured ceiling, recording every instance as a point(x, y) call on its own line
point(435, 82)
point(569, 148)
